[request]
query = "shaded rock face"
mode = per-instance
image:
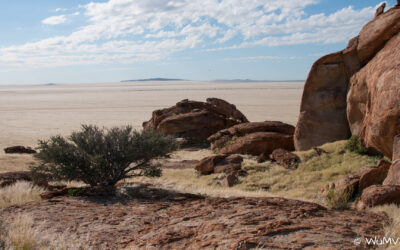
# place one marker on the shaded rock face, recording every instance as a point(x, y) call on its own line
point(285, 158)
point(253, 138)
point(182, 221)
point(19, 150)
point(195, 121)
point(327, 114)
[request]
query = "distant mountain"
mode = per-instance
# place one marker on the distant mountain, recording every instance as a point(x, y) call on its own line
point(251, 80)
point(153, 79)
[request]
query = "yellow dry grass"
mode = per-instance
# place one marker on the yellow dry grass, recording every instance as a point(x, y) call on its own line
point(12, 163)
point(393, 228)
point(19, 193)
point(269, 179)
point(21, 233)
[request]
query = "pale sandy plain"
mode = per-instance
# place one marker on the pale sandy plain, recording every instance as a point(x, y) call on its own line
point(30, 113)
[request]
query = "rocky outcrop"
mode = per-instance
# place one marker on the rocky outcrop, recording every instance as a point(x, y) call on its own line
point(253, 138)
point(354, 183)
point(378, 195)
point(220, 164)
point(285, 158)
point(327, 114)
point(19, 150)
point(374, 99)
point(393, 177)
point(185, 221)
point(195, 121)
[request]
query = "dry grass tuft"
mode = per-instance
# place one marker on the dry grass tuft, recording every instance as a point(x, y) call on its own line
point(393, 228)
point(20, 232)
point(19, 193)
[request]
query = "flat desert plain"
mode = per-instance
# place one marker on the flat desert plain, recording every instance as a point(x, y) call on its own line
point(30, 113)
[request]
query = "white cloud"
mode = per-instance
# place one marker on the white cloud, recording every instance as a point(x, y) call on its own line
point(55, 20)
point(127, 31)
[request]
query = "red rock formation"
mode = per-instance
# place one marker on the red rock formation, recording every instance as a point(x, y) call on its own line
point(158, 219)
point(253, 138)
point(195, 121)
point(393, 177)
point(327, 114)
point(374, 99)
point(220, 164)
point(285, 158)
point(367, 176)
point(378, 195)
point(258, 143)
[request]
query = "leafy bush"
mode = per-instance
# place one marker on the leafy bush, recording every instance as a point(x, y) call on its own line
point(354, 145)
point(101, 157)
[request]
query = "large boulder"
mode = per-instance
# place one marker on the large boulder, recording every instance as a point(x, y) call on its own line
point(393, 177)
point(327, 114)
point(195, 121)
point(253, 138)
point(365, 177)
point(285, 158)
point(220, 164)
point(378, 195)
point(374, 99)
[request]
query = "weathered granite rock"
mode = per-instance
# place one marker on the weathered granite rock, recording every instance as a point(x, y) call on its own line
point(258, 143)
point(285, 158)
point(162, 219)
point(367, 176)
point(393, 177)
point(374, 99)
point(195, 121)
point(253, 138)
point(220, 164)
point(378, 195)
point(325, 114)
point(396, 148)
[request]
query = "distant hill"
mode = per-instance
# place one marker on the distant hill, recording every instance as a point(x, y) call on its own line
point(251, 80)
point(153, 79)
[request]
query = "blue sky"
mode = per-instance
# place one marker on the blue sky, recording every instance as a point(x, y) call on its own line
point(78, 41)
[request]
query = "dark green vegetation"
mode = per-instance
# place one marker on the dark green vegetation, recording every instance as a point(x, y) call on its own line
point(102, 157)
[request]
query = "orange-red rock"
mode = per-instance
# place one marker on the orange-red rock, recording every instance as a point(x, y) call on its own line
point(285, 158)
point(378, 195)
point(371, 109)
point(258, 143)
point(253, 138)
point(195, 121)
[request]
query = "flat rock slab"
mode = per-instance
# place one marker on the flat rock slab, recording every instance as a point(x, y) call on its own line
point(184, 221)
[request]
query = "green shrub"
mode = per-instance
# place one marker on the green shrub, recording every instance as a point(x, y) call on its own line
point(354, 145)
point(101, 157)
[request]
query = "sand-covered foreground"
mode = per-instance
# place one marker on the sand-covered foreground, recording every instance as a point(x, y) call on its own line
point(29, 113)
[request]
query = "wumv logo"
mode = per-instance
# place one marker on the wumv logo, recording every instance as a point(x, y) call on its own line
point(383, 241)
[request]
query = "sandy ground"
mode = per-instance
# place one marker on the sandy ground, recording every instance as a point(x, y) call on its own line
point(30, 113)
